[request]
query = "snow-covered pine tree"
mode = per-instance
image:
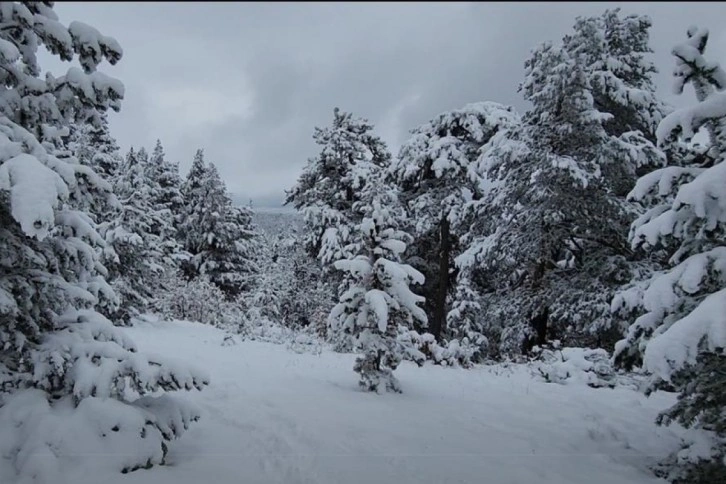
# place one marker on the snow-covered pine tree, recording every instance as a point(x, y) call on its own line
point(237, 253)
point(680, 336)
point(60, 360)
point(166, 174)
point(134, 252)
point(377, 300)
point(166, 200)
point(187, 223)
point(94, 146)
point(552, 248)
point(330, 183)
point(434, 171)
point(614, 53)
point(265, 300)
point(218, 235)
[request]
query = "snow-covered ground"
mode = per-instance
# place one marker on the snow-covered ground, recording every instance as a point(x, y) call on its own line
point(271, 415)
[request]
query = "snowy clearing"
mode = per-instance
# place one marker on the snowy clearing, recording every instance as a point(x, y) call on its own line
point(271, 415)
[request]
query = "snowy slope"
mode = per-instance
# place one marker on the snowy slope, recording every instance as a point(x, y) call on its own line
point(274, 416)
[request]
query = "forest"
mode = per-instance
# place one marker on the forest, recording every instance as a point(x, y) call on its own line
point(582, 242)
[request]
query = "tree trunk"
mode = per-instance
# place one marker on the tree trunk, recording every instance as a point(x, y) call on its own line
point(438, 325)
point(539, 320)
point(540, 326)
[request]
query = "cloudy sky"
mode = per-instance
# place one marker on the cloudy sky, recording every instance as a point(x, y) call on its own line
point(248, 81)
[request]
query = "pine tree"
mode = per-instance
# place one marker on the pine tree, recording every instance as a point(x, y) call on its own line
point(134, 249)
point(95, 147)
point(192, 194)
point(330, 183)
point(218, 235)
point(614, 52)
point(56, 350)
point(434, 171)
point(166, 174)
point(377, 301)
point(679, 336)
point(550, 243)
point(166, 200)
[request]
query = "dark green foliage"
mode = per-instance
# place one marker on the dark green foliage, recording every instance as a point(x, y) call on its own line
point(701, 404)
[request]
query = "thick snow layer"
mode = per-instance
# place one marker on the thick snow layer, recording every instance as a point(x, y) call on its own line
point(705, 327)
point(274, 416)
point(34, 193)
point(577, 365)
point(690, 119)
point(8, 52)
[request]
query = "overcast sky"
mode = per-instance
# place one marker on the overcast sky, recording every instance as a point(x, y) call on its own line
point(249, 81)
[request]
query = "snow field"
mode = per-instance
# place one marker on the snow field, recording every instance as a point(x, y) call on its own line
point(273, 416)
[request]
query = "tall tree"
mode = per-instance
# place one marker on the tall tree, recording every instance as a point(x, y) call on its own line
point(218, 235)
point(434, 171)
point(134, 252)
point(94, 146)
point(552, 249)
point(56, 351)
point(165, 173)
point(165, 199)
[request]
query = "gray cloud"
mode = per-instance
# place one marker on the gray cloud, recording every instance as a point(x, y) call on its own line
point(249, 81)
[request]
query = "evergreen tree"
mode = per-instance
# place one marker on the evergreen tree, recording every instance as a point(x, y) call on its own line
point(434, 171)
point(95, 147)
point(56, 351)
point(134, 249)
point(377, 300)
point(166, 200)
point(679, 336)
point(550, 245)
point(614, 53)
point(166, 174)
point(192, 194)
point(332, 181)
point(218, 235)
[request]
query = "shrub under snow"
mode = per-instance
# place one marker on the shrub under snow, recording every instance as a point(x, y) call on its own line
point(422, 347)
point(577, 365)
point(196, 300)
point(94, 394)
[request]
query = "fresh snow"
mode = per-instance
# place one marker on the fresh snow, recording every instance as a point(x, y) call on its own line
point(34, 193)
point(271, 415)
point(705, 326)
